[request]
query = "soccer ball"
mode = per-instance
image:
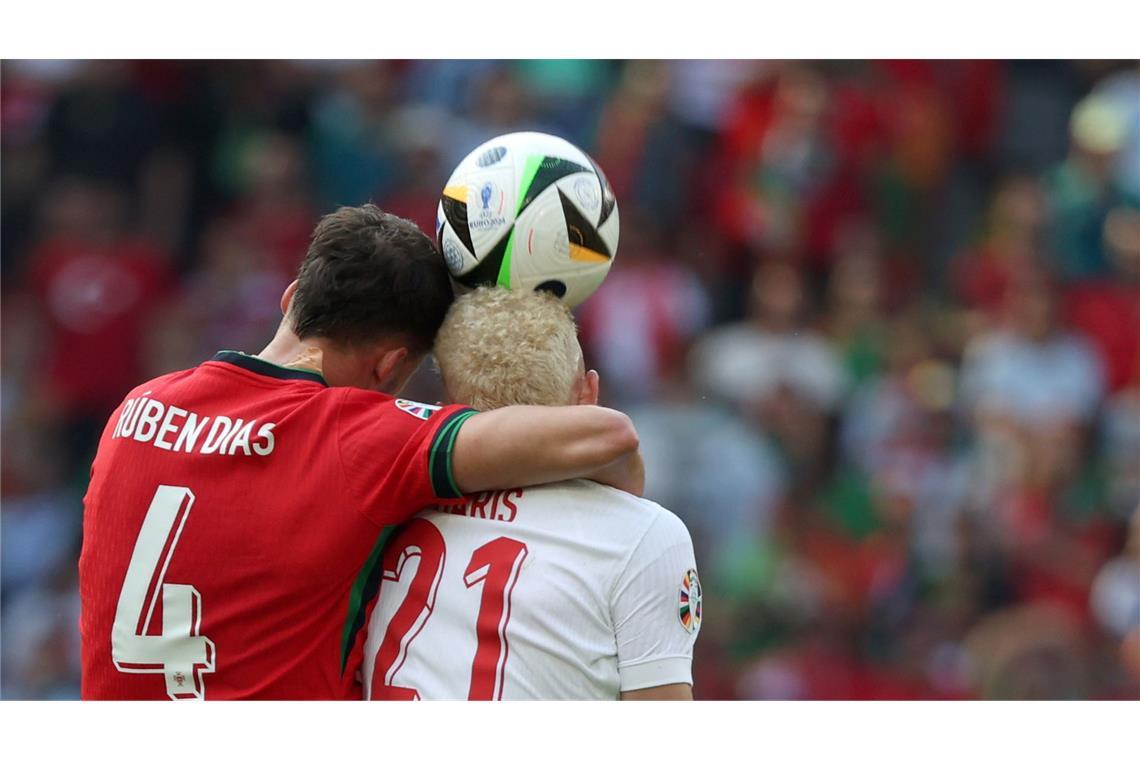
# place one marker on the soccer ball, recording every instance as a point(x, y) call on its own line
point(529, 210)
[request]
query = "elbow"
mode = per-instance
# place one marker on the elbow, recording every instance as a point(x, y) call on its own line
point(621, 437)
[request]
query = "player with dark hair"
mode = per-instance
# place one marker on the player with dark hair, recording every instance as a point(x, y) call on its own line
point(236, 510)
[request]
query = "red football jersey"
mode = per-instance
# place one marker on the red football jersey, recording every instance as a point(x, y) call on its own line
point(232, 526)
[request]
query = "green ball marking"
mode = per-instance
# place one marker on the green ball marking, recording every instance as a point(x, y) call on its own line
point(504, 280)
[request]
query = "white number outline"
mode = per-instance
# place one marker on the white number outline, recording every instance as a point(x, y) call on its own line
point(180, 652)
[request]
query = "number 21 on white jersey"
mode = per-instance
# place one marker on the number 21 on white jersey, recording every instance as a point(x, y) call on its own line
point(492, 571)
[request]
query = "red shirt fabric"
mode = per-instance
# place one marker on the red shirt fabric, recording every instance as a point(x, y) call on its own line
point(232, 526)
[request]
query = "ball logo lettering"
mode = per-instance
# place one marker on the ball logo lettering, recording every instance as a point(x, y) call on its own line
point(488, 208)
point(587, 193)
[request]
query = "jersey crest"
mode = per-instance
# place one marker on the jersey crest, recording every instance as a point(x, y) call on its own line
point(689, 607)
point(416, 409)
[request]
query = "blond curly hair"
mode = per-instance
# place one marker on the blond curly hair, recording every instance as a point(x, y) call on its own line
point(501, 347)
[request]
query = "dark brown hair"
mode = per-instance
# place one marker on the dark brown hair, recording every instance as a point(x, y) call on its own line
point(368, 274)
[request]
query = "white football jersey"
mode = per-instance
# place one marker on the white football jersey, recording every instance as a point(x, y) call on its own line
point(566, 591)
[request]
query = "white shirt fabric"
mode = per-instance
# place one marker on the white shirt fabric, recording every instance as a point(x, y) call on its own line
point(606, 599)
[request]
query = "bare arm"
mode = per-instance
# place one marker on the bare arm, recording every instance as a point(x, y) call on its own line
point(521, 446)
point(670, 691)
point(627, 473)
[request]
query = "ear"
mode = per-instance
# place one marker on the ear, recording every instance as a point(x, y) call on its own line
point(287, 297)
point(389, 374)
point(589, 393)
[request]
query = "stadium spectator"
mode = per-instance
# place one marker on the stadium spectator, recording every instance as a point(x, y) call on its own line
point(1084, 188)
point(855, 319)
point(639, 327)
point(1122, 89)
point(896, 432)
point(778, 373)
point(350, 142)
point(1030, 370)
point(96, 285)
point(1107, 309)
point(1011, 243)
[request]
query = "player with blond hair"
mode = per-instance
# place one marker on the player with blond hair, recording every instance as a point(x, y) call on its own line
point(567, 591)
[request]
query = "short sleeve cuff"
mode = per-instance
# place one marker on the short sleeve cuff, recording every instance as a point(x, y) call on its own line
point(646, 675)
point(439, 455)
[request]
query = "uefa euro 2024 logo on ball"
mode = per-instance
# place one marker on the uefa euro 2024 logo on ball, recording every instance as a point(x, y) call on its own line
point(489, 214)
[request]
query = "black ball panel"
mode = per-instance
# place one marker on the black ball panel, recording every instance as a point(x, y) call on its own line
point(455, 212)
point(487, 271)
point(557, 287)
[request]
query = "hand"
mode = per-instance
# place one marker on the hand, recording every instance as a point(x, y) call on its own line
point(626, 474)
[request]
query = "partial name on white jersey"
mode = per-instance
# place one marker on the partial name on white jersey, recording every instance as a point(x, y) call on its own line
point(567, 591)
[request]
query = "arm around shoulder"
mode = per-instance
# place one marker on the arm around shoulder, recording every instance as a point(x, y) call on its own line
point(520, 446)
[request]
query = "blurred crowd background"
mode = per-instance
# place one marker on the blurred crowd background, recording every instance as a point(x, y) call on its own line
point(878, 324)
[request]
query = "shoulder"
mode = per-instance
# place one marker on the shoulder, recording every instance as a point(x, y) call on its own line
point(393, 411)
point(162, 381)
point(588, 490)
point(375, 402)
point(639, 514)
point(369, 419)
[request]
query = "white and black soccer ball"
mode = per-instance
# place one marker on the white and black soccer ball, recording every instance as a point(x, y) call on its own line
point(529, 210)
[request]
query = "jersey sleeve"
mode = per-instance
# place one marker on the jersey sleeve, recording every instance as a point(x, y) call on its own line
point(396, 454)
point(656, 607)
